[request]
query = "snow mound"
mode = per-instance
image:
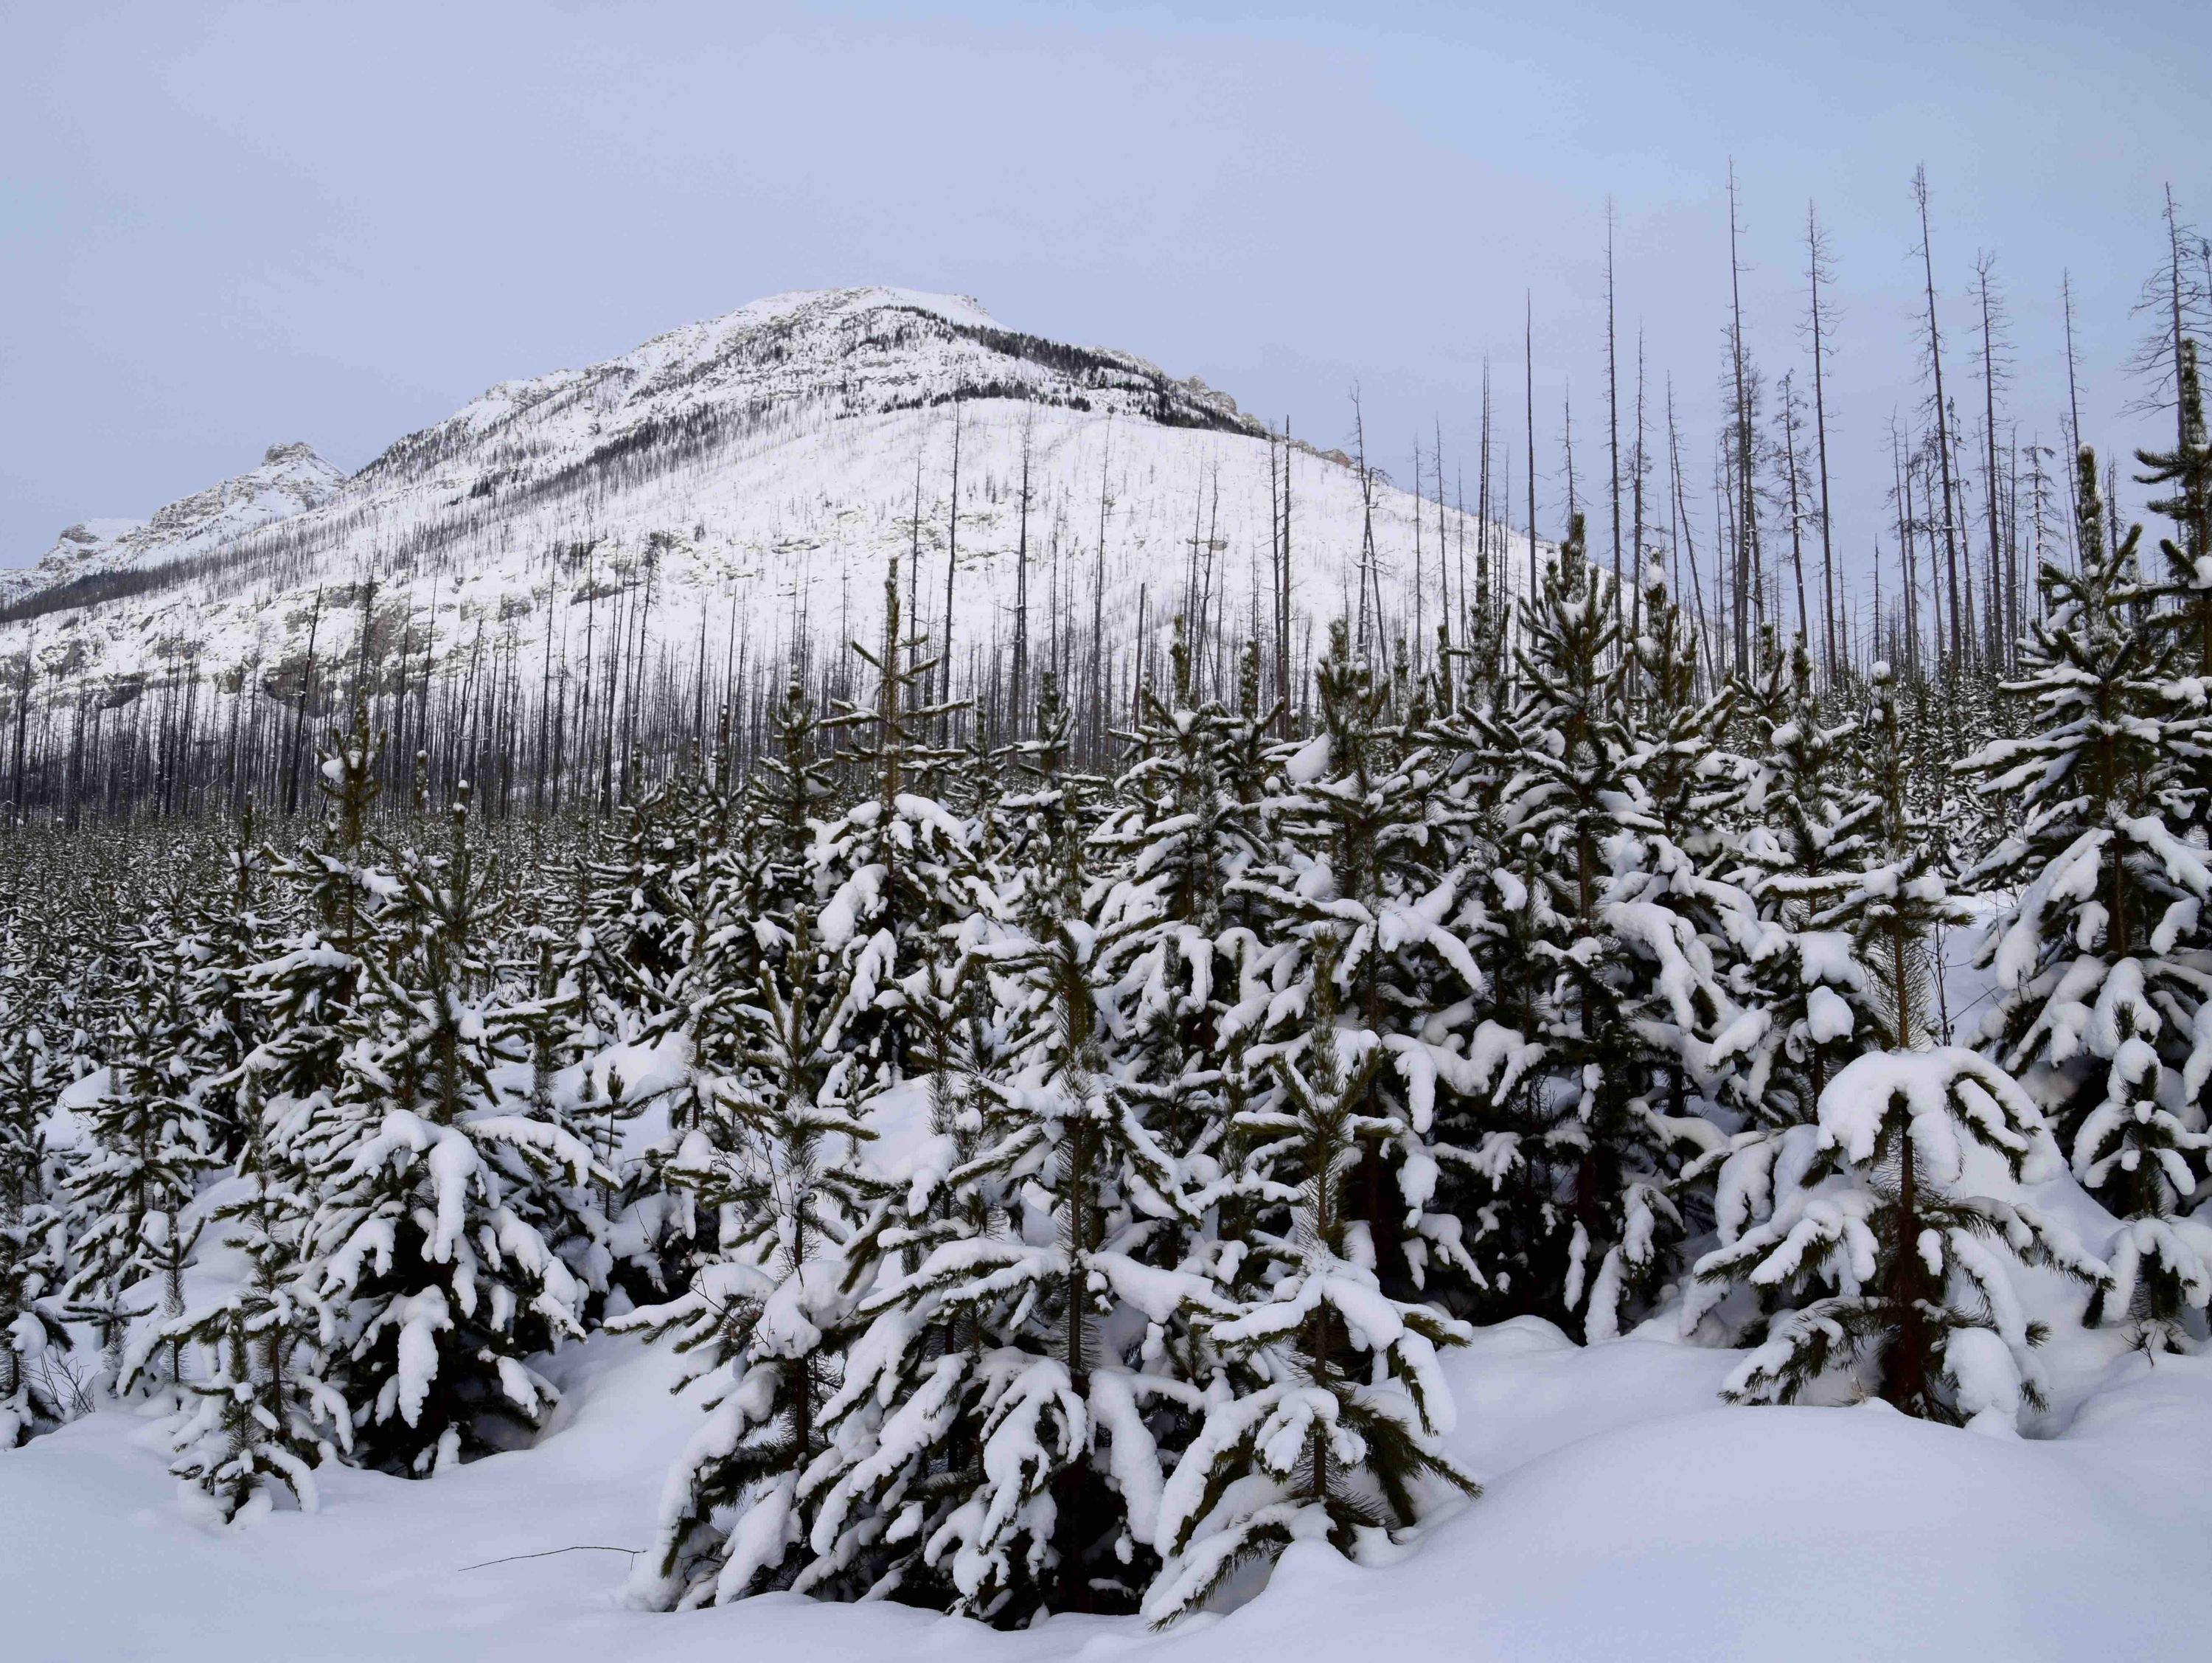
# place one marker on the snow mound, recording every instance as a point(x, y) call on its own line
point(1627, 1516)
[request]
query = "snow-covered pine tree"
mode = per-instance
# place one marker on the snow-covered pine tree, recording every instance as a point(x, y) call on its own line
point(2102, 1007)
point(1894, 1278)
point(1689, 778)
point(667, 867)
point(229, 934)
point(1629, 991)
point(1900, 899)
point(994, 1445)
point(979, 786)
point(438, 1205)
point(554, 1020)
point(1332, 1432)
point(1364, 860)
point(582, 1008)
point(657, 925)
point(1697, 945)
point(1181, 830)
point(744, 866)
point(1814, 1004)
point(31, 1234)
point(1761, 700)
point(770, 1316)
point(1858, 975)
point(1883, 1274)
point(131, 1188)
point(665, 939)
point(1176, 819)
point(896, 865)
point(1807, 848)
point(1486, 1126)
point(776, 1160)
point(264, 1414)
point(310, 986)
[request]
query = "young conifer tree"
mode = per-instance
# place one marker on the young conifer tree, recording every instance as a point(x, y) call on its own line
point(1689, 778)
point(132, 1188)
point(1334, 1429)
point(31, 1225)
point(1489, 1126)
point(264, 1415)
point(897, 865)
point(777, 1161)
point(1847, 960)
point(1362, 859)
point(1807, 850)
point(1874, 1270)
point(1898, 898)
point(229, 936)
point(2102, 1008)
point(1628, 992)
point(661, 942)
point(1181, 832)
point(1893, 1279)
point(439, 1207)
point(662, 939)
point(1177, 819)
point(996, 1426)
point(1695, 941)
point(307, 990)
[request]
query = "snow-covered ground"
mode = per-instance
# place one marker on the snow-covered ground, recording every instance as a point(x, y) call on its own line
point(1629, 1515)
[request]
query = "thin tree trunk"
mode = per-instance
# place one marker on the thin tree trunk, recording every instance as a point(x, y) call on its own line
point(1942, 424)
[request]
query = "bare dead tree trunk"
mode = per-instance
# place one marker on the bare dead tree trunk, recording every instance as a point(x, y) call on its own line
point(952, 566)
point(1612, 394)
point(1816, 269)
point(2073, 425)
point(1942, 424)
point(307, 700)
point(1528, 356)
point(2000, 602)
point(1636, 469)
point(1019, 725)
point(1748, 508)
point(1790, 408)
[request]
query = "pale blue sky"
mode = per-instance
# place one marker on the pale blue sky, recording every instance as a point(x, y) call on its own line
point(226, 225)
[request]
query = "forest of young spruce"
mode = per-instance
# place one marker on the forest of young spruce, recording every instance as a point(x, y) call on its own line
point(1069, 1089)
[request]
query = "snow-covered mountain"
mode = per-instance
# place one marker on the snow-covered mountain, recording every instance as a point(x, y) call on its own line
point(769, 463)
point(292, 477)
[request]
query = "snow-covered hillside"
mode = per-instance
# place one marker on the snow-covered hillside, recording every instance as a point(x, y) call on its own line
point(773, 460)
point(291, 479)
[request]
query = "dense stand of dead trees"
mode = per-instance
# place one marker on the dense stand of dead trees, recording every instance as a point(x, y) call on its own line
point(571, 707)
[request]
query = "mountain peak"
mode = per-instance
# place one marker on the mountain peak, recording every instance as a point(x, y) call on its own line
point(293, 453)
point(752, 475)
point(964, 309)
point(291, 477)
point(804, 356)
